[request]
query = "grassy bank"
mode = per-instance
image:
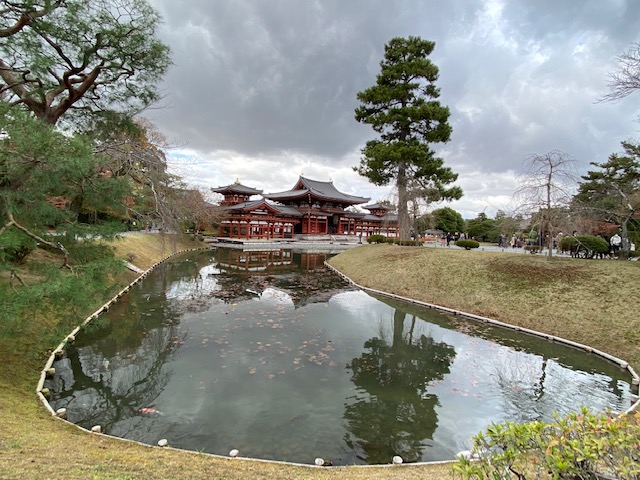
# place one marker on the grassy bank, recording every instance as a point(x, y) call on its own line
point(589, 301)
point(33, 445)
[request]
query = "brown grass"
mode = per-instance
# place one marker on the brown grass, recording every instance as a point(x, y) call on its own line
point(147, 249)
point(33, 445)
point(588, 301)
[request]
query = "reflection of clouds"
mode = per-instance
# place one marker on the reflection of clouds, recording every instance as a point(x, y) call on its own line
point(532, 387)
point(204, 283)
point(273, 295)
point(356, 302)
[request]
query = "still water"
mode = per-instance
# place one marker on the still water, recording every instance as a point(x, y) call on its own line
point(268, 353)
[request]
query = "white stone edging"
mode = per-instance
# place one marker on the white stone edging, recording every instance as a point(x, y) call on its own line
point(635, 380)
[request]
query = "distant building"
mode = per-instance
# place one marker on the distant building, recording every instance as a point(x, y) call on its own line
point(311, 208)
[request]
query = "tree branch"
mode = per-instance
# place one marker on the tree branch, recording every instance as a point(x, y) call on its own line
point(27, 17)
point(55, 247)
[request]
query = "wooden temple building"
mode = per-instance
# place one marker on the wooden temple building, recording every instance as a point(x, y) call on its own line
point(311, 209)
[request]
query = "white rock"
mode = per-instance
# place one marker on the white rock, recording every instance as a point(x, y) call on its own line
point(163, 442)
point(96, 429)
point(61, 412)
point(319, 462)
point(397, 460)
point(234, 453)
point(464, 454)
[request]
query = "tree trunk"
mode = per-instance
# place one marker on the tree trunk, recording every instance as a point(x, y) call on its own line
point(624, 251)
point(404, 222)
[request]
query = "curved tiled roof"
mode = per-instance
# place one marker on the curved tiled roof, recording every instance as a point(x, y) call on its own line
point(378, 206)
point(237, 188)
point(317, 189)
point(252, 204)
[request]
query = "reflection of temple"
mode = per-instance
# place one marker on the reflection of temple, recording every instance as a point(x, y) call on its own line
point(272, 260)
point(254, 260)
point(298, 275)
point(310, 208)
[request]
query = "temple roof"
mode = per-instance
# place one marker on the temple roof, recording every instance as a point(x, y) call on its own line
point(253, 204)
point(390, 217)
point(237, 188)
point(378, 206)
point(317, 189)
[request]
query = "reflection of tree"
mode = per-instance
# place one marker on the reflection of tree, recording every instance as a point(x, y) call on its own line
point(106, 390)
point(119, 363)
point(393, 413)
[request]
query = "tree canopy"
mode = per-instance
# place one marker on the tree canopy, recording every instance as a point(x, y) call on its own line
point(612, 193)
point(46, 180)
point(93, 64)
point(483, 228)
point(80, 56)
point(448, 220)
point(402, 107)
point(626, 79)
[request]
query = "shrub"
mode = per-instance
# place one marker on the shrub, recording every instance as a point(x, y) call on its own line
point(595, 244)
point(404, 242)
point(568, 243)
point(532, 248)
point(376, 238)
point(590, 242)
point(581, 445)
point(467, 244)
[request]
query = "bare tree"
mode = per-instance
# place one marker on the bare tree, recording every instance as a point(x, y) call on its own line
point(626, 79)
point(545, 186)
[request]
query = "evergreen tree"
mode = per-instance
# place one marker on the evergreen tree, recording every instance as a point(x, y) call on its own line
point(448, 220)
point(46, 180)
point(483, 228)
point(402, 107)
point(612, 193)
point(80, 55)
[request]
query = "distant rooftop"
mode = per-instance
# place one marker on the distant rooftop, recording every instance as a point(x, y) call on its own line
point(237, 188)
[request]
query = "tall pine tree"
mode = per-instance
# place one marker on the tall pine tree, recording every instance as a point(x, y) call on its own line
point(402, 107)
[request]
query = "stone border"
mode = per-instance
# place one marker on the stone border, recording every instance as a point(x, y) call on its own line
point(635, 379)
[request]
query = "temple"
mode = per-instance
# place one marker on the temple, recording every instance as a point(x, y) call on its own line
point(311, 209)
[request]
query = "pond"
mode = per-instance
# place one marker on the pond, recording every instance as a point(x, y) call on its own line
point(270, 354)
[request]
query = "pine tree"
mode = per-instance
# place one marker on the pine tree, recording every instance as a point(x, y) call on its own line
point(402, 107)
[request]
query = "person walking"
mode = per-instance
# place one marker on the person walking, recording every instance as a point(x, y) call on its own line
point(615, 242)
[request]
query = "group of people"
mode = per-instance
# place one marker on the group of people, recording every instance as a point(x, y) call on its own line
point(449, 237)
point(532, 239)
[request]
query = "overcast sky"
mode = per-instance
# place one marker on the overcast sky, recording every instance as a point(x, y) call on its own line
point(265, 90)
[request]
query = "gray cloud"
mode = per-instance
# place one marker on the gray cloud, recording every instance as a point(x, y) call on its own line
point(280, 77)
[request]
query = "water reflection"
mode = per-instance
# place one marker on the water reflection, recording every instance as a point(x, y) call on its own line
point(268, 353)
point(393, 412)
